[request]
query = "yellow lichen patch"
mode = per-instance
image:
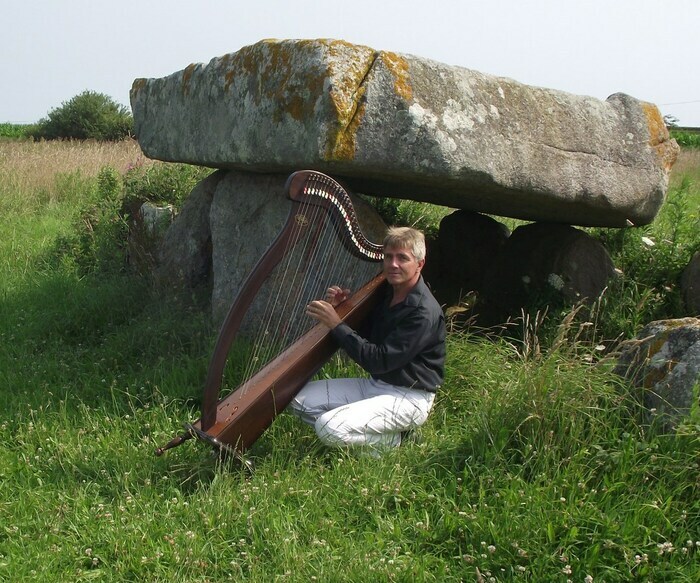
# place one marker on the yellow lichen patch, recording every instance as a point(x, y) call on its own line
point(137, 86)
point(226, 71)
point(347, 97)
point(655, 373)
point(666, 149)
point(186, 78)
point(275, 75)
point(657, 128)
point(344, 144)
point(402, 77)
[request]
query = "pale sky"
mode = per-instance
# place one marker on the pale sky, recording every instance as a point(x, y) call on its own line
point(650, 49)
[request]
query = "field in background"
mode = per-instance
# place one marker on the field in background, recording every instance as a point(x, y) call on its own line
point(36, 174)
point(537, 464)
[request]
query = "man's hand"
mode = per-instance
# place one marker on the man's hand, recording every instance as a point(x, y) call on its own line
point(324, 313)
point(336, 295)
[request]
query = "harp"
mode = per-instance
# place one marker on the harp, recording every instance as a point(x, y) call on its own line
point(287, 347)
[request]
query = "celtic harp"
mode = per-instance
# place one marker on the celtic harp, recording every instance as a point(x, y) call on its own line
point(318, 246)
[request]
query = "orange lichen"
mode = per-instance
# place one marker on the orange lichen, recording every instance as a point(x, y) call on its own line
point(187, 77)
point(658, 132)
point(137, 86)
point(402, 77)
point(655, 374)
point(343, 146)
point(347, 96)
point(666, 149)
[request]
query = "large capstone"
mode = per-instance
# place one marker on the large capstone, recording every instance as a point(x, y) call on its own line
point(403, 126)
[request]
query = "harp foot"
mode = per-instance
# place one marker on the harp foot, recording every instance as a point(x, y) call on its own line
point(174, 442)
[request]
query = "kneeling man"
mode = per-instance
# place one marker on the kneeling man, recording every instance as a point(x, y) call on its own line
point(403, 351)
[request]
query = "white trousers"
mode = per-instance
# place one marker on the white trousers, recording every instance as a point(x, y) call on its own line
point(347, 412)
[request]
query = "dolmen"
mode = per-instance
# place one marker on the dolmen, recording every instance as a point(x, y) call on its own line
point(398, 125)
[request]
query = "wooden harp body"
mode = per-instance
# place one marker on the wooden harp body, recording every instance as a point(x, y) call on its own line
point(235, 422)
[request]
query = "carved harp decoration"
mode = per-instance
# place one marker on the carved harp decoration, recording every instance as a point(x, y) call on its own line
point(319, 246)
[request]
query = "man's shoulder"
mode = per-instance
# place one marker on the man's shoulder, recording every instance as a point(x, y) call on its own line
point(421, 296)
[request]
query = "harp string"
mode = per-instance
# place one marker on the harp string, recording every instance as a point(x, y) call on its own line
point(318, 261)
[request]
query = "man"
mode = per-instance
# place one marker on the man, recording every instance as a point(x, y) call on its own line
point(404, 354)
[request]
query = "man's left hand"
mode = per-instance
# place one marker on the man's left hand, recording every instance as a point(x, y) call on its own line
point(324, 313)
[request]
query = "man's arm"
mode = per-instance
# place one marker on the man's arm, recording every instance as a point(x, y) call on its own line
point(413, 334)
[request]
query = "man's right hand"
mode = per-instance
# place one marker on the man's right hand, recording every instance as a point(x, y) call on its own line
point(335, 295)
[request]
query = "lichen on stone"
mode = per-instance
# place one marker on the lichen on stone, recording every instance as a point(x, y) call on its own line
point(402, 77)
point(659, 139)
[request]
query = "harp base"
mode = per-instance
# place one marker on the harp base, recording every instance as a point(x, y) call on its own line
point(222, 450)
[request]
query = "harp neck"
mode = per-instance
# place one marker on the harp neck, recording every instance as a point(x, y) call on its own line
point(313, 188)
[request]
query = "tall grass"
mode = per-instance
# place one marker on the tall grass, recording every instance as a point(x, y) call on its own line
point(535, 464)
point(34, 175)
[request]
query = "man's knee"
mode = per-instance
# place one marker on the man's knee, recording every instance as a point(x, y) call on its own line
point(331, 428)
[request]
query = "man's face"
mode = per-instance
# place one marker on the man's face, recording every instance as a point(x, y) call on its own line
point(401, 266)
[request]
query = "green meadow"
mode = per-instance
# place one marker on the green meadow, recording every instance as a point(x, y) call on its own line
point(537, 463)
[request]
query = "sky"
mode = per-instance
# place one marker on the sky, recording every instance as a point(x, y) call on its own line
point(53, 50)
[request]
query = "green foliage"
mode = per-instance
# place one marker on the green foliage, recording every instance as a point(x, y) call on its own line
point(15, 131)
point(97, 240)
point(162, 183)
point(650, 261)
point(686, 139)
point(535, 464)
point(410, 213)
point(87, 116)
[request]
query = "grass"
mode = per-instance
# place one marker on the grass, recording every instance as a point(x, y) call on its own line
point(535, 464)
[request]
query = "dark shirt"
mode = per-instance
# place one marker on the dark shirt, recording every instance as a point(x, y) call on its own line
point(405, 345)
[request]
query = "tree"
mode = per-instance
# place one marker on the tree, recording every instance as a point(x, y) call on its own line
point(89, 115)
point(671, 121)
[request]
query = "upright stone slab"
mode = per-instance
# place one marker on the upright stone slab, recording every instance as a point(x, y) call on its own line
point(399, 125)
point(247, 212)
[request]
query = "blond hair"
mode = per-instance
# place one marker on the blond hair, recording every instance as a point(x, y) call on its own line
point(406, 238)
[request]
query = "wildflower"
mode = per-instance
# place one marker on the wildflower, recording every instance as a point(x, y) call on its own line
point(588, 579)
point(566, 570)
point(491, 549)
point(665, 548)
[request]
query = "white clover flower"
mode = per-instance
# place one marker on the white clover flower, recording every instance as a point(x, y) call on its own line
point(666, 547)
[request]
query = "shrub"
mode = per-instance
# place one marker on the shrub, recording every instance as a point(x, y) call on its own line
point(15, 131)
point(97, 242)
point(651, 260)
point(686, 139)
point(106, 235)
point(161, 183)
point(410, 213)
point(90, 115)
